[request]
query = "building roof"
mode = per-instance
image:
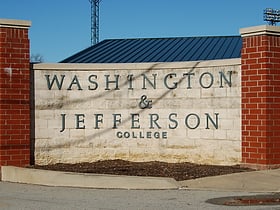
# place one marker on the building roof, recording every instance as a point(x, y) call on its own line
point(160, 50)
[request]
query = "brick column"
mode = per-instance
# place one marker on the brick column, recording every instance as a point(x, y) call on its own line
point(260, 59)
point(14, 93)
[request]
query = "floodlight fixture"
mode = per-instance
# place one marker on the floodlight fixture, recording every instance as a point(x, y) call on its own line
point(272, 16)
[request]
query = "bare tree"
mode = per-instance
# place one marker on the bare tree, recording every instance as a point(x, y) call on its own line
point(36, 58)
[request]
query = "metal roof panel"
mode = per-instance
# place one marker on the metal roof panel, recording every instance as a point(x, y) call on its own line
point(160, 50)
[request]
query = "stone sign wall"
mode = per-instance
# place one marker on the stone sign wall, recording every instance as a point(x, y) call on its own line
point(217, 112)
point(173, 112)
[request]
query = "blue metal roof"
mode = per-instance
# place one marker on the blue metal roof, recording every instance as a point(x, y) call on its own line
point(160, 50)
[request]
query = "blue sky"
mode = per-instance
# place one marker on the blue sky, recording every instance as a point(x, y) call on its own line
point(61, 28)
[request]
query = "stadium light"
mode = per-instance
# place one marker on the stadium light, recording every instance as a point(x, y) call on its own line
point(272, 16)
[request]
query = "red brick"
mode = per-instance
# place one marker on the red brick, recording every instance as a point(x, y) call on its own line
point(255, 156)
point(14, 97)
point(260, 60)
point(251, 161)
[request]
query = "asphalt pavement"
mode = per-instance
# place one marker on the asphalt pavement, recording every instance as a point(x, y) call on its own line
point(23, 188)
point(14, 196)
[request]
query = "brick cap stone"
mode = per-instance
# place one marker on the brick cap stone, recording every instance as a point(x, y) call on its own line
point(10, 23)
point(260, 30)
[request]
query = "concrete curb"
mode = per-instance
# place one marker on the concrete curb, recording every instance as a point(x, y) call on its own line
point(68, 179)
point(255, 181)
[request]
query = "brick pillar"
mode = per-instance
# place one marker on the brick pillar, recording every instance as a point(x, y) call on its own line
point(14, 93)
point(260, 59)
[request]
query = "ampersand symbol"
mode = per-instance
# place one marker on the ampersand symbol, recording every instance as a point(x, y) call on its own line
point(145, 103)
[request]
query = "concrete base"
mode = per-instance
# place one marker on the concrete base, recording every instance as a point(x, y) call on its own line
point(260, 166)
point(68, 179)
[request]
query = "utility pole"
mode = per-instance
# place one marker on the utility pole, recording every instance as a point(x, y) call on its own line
point(94, 21)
